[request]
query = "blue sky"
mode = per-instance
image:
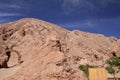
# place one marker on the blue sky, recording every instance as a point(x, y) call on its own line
point(96, 16)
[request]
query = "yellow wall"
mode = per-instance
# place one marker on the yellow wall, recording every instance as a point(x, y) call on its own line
point(97, 74)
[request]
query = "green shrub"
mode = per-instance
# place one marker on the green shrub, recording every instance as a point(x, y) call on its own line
point(113, 66)
point(84, 68)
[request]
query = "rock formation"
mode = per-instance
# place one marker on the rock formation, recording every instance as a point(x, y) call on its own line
point(50, 52)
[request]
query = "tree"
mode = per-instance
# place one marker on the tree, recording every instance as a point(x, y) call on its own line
point(113, 66)
point(84, 68)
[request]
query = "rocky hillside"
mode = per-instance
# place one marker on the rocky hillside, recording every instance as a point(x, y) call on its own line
point(49, 52)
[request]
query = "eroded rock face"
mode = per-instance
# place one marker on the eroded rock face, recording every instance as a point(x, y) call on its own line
point(5, 53)
point(115, 48)
point(3, 57)
point(49, 52)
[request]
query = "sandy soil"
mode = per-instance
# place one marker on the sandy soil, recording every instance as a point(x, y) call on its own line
point(7, 72)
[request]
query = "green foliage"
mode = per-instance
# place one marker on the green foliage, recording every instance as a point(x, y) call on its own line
point(113, 65)
point(84, 68)
point(110, 70)
point(114, 61)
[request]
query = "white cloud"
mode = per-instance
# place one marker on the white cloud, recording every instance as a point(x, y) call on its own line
point(70, 6)
point(9, 14)
point(106, 2)
point(2, 20)
point(115, 20)
point(79, 24)
point(73, 3)
point(92, 23)
point(13, 6)
point(8, 5)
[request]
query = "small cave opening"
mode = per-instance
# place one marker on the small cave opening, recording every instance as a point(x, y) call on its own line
point(114, 54)
point(11, 59)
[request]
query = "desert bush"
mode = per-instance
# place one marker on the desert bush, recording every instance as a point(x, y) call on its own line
point(85, 68)
point(113, 66)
